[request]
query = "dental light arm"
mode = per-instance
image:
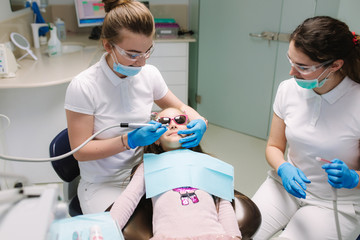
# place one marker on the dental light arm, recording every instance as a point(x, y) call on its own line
point(121, 125)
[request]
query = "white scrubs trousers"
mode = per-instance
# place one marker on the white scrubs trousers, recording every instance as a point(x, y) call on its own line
point(97, 197)
point(302, 219)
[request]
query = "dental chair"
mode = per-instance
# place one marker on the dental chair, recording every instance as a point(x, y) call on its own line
point(139, 226)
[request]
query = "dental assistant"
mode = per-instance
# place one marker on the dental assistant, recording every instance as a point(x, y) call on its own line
point(316, 115)
point(121, 87)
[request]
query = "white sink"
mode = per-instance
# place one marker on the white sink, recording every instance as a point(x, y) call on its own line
point(72, 47)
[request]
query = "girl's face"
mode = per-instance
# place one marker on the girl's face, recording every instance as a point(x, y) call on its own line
point(170, 139)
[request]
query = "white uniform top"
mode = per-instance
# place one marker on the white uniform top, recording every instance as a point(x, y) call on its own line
point(326, 126)
point(98, 91)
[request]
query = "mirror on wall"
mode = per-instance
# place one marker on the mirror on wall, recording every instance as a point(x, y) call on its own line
point(18, 5)
point(21, 4)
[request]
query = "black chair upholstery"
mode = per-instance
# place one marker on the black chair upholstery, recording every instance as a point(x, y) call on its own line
point(248, 215)
point(67, 168)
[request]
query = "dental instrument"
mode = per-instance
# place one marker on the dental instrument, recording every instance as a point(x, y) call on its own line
point(138, 125)
point(336, 213)
point(322, 160)
point(121, 125)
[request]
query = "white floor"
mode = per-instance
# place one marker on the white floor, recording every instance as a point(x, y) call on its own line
point(245, 153)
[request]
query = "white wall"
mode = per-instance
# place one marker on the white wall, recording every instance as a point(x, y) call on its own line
point(37, 115)
point(349, 13)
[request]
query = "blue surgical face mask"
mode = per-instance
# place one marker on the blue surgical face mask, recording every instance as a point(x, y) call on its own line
point(312, 83)
point(125, 70)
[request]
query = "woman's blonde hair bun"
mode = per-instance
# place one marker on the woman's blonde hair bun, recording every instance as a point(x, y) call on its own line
point(111, 4)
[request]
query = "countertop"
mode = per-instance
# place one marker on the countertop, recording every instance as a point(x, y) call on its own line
point(50, 71)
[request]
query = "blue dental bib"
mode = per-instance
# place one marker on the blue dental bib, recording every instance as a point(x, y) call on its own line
point(183, 167)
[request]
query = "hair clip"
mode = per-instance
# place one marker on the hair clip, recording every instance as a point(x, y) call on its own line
point(355, 39)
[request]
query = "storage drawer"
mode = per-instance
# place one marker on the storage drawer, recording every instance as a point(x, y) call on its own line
point(175, 78)
point(171, 58)
point(169, 63)
point(180, 91)
point(170, 49)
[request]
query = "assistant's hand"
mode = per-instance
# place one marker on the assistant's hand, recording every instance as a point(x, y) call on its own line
point(145, 135)
point(197, 129)
point(339, 174)
point(293, 180)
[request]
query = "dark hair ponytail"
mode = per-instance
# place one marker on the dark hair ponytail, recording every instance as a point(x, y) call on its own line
point(324, 38)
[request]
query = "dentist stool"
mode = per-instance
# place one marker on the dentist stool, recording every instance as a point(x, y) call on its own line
point(67, 169)
point(139, 226)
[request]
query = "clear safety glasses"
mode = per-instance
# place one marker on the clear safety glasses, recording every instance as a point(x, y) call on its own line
point(179, 119)
point(133, 56)
point(304, 69)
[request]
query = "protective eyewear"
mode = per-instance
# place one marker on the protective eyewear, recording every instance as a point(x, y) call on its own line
point(303, 69)
point(133, 56)
point(179, 119)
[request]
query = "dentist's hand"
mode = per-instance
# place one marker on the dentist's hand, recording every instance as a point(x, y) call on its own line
point(146, 135)
point(339, 174)
point(197, 129)
point(293, 180)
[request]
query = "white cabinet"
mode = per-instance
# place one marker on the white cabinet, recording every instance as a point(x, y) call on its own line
point(172, 60)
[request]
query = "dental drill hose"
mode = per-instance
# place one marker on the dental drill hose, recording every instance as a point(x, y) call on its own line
point(18, 159)
point(122, 125)
point(336, 214)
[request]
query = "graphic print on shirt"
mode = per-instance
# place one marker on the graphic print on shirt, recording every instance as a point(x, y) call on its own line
point(187, 193)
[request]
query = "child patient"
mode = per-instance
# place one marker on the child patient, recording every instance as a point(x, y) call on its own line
point(184, 212)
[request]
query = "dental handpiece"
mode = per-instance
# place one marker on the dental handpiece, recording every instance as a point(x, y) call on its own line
point(137, 125)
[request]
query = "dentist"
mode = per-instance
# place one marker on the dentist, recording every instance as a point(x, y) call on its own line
point(119, 88)
point(316, 115)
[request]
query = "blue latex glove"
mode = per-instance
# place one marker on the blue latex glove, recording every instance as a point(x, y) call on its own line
point(146, 135)
point(197, 129)
point(339, 174)
point(293, 180)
